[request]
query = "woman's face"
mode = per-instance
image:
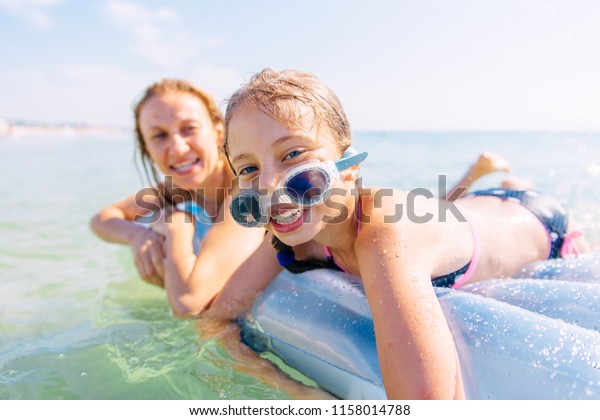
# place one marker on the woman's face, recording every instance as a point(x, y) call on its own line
point(262, 150)
point(181, 138)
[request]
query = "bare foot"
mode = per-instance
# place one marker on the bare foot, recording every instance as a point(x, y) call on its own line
point(487, 163)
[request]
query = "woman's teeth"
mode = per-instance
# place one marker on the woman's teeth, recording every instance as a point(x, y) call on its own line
point(287, 216)
point(182, 166)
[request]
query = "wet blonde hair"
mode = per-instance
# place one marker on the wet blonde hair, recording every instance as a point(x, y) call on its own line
point(286, 95)
point(163, 87)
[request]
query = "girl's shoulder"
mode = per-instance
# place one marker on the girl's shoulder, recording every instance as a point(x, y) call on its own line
point(380, 212)
point(379, 197)
point(390, 204)
point(407, 222)
point(390, 212)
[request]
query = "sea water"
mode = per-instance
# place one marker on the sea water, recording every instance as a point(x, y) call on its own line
point(76, 322)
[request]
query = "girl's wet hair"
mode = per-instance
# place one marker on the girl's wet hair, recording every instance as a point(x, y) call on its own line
point(286, 96)
point(164, 87)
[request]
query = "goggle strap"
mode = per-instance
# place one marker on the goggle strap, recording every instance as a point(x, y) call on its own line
point(350, 158)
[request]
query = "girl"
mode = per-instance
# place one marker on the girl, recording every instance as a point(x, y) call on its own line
point(288, 141)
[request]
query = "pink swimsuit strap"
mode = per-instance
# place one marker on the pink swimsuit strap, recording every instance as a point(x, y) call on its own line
point(569, 246)
point(326, 249)
point(472, 264)
point(476, 253)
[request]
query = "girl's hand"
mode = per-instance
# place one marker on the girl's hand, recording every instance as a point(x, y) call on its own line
point(147, 247)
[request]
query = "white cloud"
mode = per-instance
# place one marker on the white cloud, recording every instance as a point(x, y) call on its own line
point(75, 93)
point(157, 33)
point(214, 41)
point(220, 82)
point(97, 94)
point(34, 11)
point(160, 36)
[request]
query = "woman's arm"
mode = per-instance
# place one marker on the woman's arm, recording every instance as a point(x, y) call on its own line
point(115, 224)
point(414, 343)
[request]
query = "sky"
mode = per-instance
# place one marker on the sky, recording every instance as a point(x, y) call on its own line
point(430, 65)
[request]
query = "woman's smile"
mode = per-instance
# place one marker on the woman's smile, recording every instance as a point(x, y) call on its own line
point(186, 167)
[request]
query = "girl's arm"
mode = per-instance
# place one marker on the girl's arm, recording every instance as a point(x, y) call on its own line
point(192, 281)
point(251, 278)
point(244, 360)
point(115, 224)
point(414, 343)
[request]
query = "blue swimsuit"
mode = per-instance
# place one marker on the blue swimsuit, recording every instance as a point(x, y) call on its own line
point(549, 211)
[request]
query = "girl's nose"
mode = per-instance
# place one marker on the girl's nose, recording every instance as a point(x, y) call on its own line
point(268, 180)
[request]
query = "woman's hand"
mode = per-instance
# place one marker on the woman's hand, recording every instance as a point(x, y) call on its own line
point(147, 247)
point(115, 223)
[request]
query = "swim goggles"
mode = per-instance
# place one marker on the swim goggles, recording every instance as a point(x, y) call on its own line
point(305, 185)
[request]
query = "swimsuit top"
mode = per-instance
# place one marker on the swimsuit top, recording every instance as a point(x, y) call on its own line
point(285, 255)
point(202, 221)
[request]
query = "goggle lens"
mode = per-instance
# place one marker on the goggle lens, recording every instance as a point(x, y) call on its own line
point(245, 209)
point(307, 186)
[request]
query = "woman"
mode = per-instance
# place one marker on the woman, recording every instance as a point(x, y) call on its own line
point(179, 131)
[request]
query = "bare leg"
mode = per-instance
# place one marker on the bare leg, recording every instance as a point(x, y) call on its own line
point(487, 163)
point(514, 183)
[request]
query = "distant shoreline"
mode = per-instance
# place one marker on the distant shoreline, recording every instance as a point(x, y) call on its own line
point(26, 129)
point(19, 129)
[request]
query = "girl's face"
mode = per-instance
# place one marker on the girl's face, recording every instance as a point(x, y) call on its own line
point(262, 150)
point(181, 138)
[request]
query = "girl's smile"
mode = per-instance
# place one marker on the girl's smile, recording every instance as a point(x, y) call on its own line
point(288, 220)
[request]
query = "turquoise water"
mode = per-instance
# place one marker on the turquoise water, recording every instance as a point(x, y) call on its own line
point(75, 320)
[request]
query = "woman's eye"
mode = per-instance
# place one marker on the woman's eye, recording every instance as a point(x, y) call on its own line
point(190, 129)
point(247, 170)
point(292, 154)
point(159, 136)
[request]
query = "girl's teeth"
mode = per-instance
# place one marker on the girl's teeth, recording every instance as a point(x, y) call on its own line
point(287, 217)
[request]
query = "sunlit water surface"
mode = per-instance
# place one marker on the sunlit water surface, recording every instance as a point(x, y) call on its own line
point(76, 322)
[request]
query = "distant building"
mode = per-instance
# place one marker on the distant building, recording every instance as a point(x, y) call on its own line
point(4, 127)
